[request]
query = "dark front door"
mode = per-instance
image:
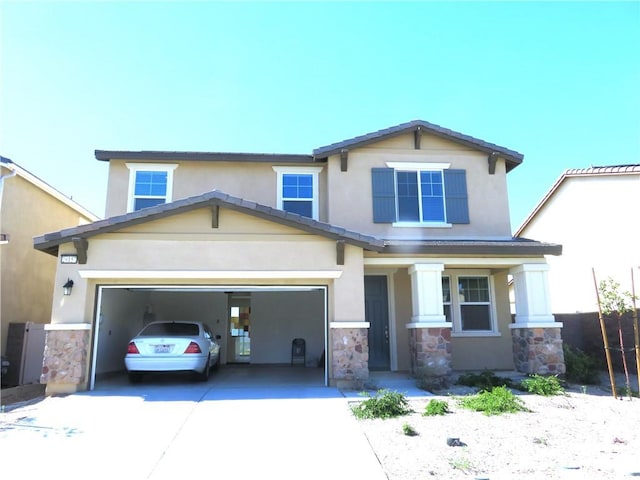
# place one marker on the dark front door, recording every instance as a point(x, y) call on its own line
point(377, 314)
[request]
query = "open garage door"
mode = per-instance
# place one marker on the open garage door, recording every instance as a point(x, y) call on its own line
point(256, 325)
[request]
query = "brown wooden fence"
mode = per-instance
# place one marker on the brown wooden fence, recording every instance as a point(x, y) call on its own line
point(582, 330)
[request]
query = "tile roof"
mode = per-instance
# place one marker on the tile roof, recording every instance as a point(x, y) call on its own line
point(513, 158)
point(107, 155)
point(49, 242)
point(606, 170)
point(320, 154)
point(513, 246)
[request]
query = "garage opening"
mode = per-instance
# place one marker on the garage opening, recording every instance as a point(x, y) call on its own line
point(256, 325)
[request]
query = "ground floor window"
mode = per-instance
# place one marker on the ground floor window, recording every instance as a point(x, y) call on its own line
point(467, 299)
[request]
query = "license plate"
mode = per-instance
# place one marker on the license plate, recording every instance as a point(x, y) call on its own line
point(162, 348)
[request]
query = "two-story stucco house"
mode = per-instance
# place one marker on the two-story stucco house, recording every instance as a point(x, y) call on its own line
point(28, 207)
point(387, 251)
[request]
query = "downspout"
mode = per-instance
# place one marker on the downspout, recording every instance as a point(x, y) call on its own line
point(5, 162)
point(3, 238)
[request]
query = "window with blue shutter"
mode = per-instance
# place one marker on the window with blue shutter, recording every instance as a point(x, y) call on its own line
point(419, 196)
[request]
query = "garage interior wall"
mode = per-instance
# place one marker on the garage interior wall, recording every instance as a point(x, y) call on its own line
point(279, 317)
point(120, 318)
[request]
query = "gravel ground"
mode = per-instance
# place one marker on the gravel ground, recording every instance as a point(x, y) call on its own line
point(576, 435)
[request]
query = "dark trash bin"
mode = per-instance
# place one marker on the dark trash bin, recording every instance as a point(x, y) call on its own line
point(298, 352)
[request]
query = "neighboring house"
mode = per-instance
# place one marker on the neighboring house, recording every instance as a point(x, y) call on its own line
point(28, 207)
point(593, 213)
point(388, 251)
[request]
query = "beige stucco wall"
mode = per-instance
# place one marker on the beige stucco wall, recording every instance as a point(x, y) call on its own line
point(27, 275)
point(349, 196)
point(595, 219)
point(251, 181)
point(402, 314)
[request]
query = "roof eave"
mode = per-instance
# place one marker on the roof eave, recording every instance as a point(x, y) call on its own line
point(156, 155)
point(534, 249)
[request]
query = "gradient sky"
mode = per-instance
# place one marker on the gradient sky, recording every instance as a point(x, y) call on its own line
point(558, 82)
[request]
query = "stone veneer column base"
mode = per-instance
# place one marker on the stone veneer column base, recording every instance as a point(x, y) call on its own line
point(349, 357)
point(64, 366)
point(430, 352)
point(538, 350)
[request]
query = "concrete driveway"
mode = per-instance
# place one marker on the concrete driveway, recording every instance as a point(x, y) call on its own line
point(243, 423)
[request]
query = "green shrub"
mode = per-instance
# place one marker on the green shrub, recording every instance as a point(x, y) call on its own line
point(408, 430)
point(436, 407)
point(483, 381)
point(581, 368)
point(384, 404)
point(541, 385)
point(626, 392)
point(494, 402)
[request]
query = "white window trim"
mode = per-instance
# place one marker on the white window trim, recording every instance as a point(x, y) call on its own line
point(406, 166)
point(420, 167)
point(134, 168)
point(313, 171)
point(456, 330)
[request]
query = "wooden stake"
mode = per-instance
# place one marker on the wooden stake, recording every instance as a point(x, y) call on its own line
point(635, 328)
point(605, 339)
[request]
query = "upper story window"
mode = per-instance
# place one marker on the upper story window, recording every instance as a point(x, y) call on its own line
point(298, 190)
point(149, 185)
point(470, 307)
point(420, 194)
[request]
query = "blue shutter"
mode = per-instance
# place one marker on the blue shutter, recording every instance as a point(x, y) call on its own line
point(456, 201)
point(384, 195)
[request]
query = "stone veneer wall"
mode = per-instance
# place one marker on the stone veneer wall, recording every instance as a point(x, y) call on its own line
point(538, 350)
point(430, 351)
point(349, 356)
point(65, 357)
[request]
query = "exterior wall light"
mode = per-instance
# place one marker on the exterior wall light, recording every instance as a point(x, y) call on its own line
point(67, 287)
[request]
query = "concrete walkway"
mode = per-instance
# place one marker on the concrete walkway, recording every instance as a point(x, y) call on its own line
point(255, 427)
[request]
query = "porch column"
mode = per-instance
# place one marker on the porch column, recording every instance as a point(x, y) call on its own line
point(429, 332)
point(536, 336)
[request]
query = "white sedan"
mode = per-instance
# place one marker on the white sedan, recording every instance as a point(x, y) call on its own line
point(179, 346)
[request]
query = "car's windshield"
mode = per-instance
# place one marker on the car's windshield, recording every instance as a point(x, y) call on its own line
point(171, 330)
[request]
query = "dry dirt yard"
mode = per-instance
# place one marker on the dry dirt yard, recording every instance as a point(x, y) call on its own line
point(576, 435)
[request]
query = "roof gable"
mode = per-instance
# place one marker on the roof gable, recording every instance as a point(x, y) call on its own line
point(214, 199)
point(630, 169)
point(512, 157)
point(45, 187)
